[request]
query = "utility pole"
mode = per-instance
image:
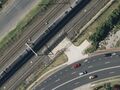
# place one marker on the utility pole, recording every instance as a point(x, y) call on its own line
point(31, 49)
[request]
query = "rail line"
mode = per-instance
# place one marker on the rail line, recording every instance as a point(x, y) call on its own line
point(39, 43)
point(37, 62)
point(35, 29)
point(78, 25)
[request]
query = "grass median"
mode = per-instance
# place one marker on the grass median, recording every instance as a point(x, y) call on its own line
point(106, 84)
point(16, 34)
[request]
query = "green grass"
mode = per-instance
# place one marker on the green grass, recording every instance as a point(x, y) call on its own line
point(101, 83)
point(15, 34)
point(92, 28)
point(22, 87)
point(118, 43)
point(62, 58)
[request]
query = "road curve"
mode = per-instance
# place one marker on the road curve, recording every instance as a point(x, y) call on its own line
point(69, 78)
point(40, 42)
point(22, 72)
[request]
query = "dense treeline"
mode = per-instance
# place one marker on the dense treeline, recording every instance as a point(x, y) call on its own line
point(103, 30)
point(2, 2)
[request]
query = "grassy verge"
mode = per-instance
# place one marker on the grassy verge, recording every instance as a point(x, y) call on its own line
point(2, 2)
point(118, 43)
point(62, 58)
point(15, 34)
point(58, 61)
point(107, 84)
point(98, 22)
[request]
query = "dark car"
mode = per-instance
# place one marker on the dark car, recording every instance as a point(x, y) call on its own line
point(82, 73)
point(108, 54)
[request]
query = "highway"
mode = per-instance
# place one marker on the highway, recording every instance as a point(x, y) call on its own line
point(28, 67)
point(69, 78)
point(38, 45)
point(37, 26)
point(12, 13)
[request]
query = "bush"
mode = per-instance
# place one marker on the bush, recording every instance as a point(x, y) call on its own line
point(103, 30)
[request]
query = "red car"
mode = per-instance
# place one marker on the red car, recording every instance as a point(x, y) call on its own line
point(76, 65)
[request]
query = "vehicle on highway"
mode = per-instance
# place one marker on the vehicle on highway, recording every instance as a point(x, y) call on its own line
point(93, 76)
point(108, 54)
point(82, 73)
point(42, 40)
point(76, 65)
point(114, 54)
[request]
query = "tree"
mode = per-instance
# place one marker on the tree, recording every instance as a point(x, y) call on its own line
point(116, 87)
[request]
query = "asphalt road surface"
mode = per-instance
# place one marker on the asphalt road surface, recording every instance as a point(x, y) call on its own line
point(69, 78)
point(10, 16)
point(41, 41)
point(30, 54)
point(21, 73)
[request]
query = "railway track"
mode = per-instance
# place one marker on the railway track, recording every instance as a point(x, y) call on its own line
point(31, 32)
point(26, 74)
point(74, 28)
point(39, 43)
point(83, 20)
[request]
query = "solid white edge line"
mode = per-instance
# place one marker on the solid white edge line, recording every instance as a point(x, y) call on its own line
point(85, 75)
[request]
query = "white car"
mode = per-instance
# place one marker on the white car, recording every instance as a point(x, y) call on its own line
point(114, 54)
point(82, 73)
point(93, 76)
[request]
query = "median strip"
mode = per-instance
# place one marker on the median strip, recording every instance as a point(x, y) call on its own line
point(84, 75)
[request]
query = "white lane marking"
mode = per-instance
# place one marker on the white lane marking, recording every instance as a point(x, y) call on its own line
point(86, 60)
point(57, 80)
point(73, 72)
point(49, 78)
point(90, 66)
point(107, 62)
point(4, 87)
point(85, 75)
point(85, 10)
point(93, 60)
point(76, 83)
point(66, 70)
point(45, 81)
point(42, 88)
point(117, 56)
point(111, 72)
point(31, 62)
